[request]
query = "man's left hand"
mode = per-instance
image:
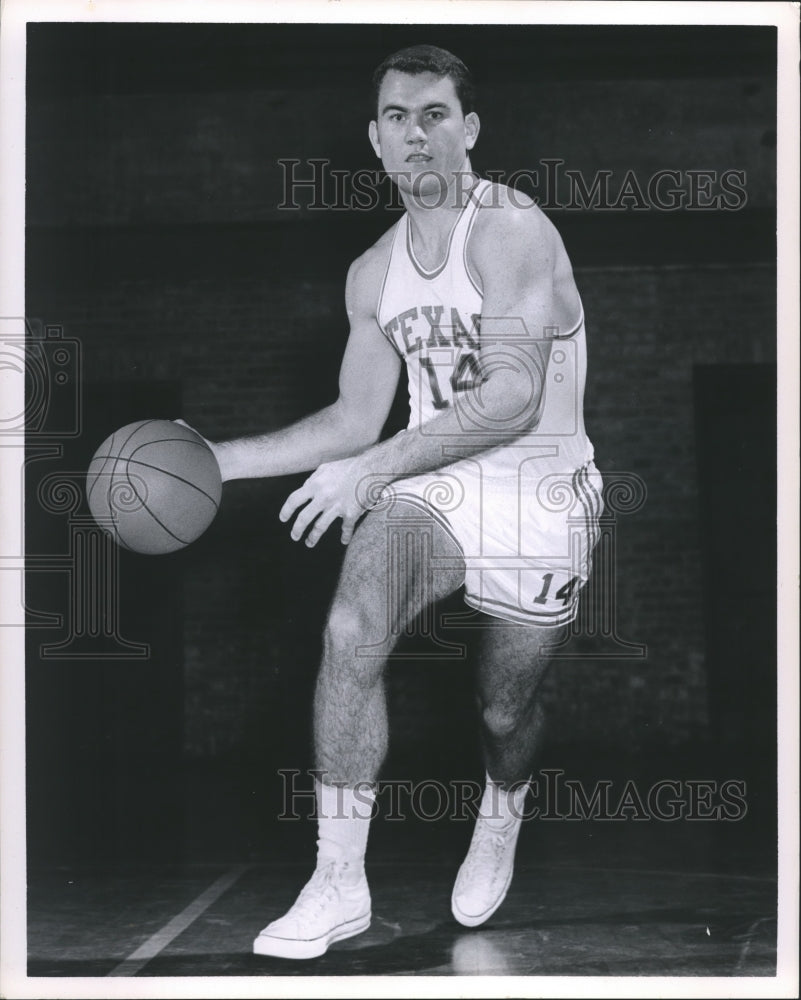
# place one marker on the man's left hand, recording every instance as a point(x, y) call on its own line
point(335, 489)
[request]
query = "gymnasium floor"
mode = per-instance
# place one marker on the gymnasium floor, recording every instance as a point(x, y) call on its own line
point(588, 899)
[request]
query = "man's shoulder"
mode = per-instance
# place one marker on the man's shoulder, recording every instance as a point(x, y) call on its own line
point(511, 226)
point(506, 211)
point(372, 264)
point(366, 273)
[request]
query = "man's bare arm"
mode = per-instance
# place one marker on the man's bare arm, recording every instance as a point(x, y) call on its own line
point(368, 379)
point(517, 261)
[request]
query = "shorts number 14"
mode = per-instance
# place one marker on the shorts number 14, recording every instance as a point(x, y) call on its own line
point(564, 593)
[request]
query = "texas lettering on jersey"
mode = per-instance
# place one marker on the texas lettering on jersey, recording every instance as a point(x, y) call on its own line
point(442, 344)
point(432, 317)
point(413, 328)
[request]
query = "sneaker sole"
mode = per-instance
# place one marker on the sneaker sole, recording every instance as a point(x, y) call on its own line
point(470, 920)
point(311, 948)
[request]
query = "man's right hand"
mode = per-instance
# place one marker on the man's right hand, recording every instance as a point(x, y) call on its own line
point(215, 449)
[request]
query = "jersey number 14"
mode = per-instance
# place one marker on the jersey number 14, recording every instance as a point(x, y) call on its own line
point(466, 375)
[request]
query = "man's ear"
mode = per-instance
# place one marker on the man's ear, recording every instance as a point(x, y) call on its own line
point(373, 133)
point(472, 127)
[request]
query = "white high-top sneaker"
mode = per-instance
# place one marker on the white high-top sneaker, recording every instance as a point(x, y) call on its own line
point(333, 905)
point(486, 873)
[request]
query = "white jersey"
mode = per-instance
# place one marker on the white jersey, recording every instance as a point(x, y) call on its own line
point(433, 319)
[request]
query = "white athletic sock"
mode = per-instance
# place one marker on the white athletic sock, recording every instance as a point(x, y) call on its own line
point(500, 807)
point(343, 822)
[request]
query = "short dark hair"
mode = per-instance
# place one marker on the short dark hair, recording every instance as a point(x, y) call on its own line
point(429, 59)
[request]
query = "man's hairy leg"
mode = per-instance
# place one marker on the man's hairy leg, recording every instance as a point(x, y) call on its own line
point(399, 561)
point(513, 662)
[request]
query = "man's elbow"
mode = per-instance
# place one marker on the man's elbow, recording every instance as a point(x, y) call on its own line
point(364, 438)
point(514, 398)
point(357, 430)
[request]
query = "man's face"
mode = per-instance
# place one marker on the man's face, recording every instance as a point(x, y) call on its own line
point(420, 133)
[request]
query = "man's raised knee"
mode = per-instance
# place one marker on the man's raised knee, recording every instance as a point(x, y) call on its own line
point(502, 721)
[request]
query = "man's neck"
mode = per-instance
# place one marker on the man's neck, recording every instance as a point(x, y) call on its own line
point(435, 213)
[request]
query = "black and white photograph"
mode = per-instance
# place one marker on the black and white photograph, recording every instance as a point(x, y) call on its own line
point(315, 320)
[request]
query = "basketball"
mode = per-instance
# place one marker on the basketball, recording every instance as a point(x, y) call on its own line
point(154, 485)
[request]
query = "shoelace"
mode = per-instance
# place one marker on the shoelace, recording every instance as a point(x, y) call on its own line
point(318, 891)
point(486, 851)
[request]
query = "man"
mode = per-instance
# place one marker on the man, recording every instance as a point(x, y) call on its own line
point(473, 290)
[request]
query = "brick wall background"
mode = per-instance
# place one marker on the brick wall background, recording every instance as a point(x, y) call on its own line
point(154, 239)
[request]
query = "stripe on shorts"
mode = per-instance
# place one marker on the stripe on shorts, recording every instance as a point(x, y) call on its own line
point(590, 500)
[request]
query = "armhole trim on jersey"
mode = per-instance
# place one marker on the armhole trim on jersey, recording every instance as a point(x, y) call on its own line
point(389, 340)
point(381, 294)
point(384, 280)
point(477, 199)
point(578, 325)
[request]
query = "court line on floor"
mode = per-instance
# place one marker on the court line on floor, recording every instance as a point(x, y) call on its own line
point(157, 942)
point(746, 947)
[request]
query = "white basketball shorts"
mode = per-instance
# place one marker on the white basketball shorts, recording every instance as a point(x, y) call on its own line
point(527, 543)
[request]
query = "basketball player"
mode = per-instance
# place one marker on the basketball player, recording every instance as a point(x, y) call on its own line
point(494, 476)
